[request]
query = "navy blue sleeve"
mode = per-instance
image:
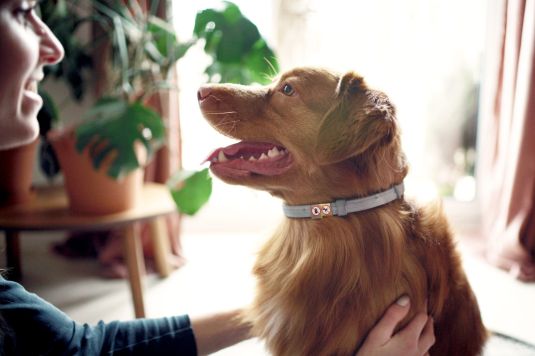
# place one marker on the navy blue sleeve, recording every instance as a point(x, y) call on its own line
point(33, 326)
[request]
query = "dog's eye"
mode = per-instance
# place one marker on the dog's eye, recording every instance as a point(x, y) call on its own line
point(287, 89)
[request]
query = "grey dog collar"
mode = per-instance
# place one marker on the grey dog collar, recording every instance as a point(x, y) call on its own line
point(343, 207)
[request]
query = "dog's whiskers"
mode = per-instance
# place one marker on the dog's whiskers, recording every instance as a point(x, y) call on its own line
point(221, 112)
point(227, 125)
point(234, 127)
point(272, 67)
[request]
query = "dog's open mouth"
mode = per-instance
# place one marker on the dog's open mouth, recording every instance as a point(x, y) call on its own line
point(246, 158)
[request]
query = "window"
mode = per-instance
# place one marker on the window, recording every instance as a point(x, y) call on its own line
point(426, 55)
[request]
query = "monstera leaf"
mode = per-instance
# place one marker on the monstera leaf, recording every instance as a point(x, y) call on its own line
point(113, 127)
point(239, 52)
point(190, 190)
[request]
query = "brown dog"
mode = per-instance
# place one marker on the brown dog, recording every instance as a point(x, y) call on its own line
point(313, 137)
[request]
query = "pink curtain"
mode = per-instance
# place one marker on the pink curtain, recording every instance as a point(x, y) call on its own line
point(506, 171)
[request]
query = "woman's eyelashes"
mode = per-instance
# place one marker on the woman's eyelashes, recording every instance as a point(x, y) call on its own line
point(24, 12)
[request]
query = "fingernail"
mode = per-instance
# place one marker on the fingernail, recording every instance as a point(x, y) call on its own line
point(403, 301)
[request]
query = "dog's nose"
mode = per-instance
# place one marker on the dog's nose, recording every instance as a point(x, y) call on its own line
point(203, 93)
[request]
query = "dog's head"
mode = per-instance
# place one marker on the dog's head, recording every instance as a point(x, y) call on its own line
point(311, 135)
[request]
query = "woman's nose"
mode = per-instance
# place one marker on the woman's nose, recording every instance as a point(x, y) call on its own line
point(50, 49)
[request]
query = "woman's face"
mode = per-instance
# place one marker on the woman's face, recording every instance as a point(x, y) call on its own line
point(26, 46)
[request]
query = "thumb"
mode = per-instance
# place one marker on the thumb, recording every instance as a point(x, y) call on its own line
point(383, 331)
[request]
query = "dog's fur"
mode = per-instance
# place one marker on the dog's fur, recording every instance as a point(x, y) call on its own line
point(323, 284)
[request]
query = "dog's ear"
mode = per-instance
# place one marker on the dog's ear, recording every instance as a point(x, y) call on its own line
point(360, 118)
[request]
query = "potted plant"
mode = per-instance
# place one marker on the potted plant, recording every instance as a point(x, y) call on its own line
point(121, 131)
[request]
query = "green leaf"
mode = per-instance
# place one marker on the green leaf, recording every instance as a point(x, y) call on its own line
point(227, 32)
point(203, 19)
point(163, 35)
point(112, 127)
point(261, 62)
point(180, 50)
point(237, 40)
point(120, 40)
point(190, 190)
point(232, 12)
point(240, 54)
point(154, 54)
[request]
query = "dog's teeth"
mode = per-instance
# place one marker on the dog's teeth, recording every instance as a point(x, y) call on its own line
point(263, 157)
point(274, 152)
point(252, 158)
point(221, 157)
point(241, 157)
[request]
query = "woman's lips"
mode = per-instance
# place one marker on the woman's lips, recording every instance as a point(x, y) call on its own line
point(30, 92)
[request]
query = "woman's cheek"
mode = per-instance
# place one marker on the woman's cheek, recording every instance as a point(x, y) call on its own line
point(18, 106)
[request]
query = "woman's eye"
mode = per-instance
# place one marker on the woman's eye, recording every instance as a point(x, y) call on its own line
point(287, 89)
point(23, 14)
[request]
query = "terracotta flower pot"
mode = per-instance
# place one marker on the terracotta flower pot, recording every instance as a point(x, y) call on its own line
point(16, 165)
point(91, 191)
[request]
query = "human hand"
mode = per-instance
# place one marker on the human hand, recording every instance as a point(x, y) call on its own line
point(414, 339)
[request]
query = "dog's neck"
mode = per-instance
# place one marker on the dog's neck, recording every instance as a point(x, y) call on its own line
point(342, 207)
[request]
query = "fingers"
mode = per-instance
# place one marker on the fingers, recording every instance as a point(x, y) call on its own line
point(416, 338)
point(382, 332)
point(418, 335)
point(414, 329)
point(427, 339)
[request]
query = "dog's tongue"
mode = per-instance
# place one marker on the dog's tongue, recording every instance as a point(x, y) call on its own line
point(244, 158)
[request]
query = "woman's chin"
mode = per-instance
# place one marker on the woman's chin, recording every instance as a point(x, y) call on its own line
point(21, 131)
point(14, 141)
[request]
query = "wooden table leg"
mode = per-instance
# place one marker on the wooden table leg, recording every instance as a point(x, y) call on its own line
point(161, 246)
point(14, 266)
point(136, 267)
